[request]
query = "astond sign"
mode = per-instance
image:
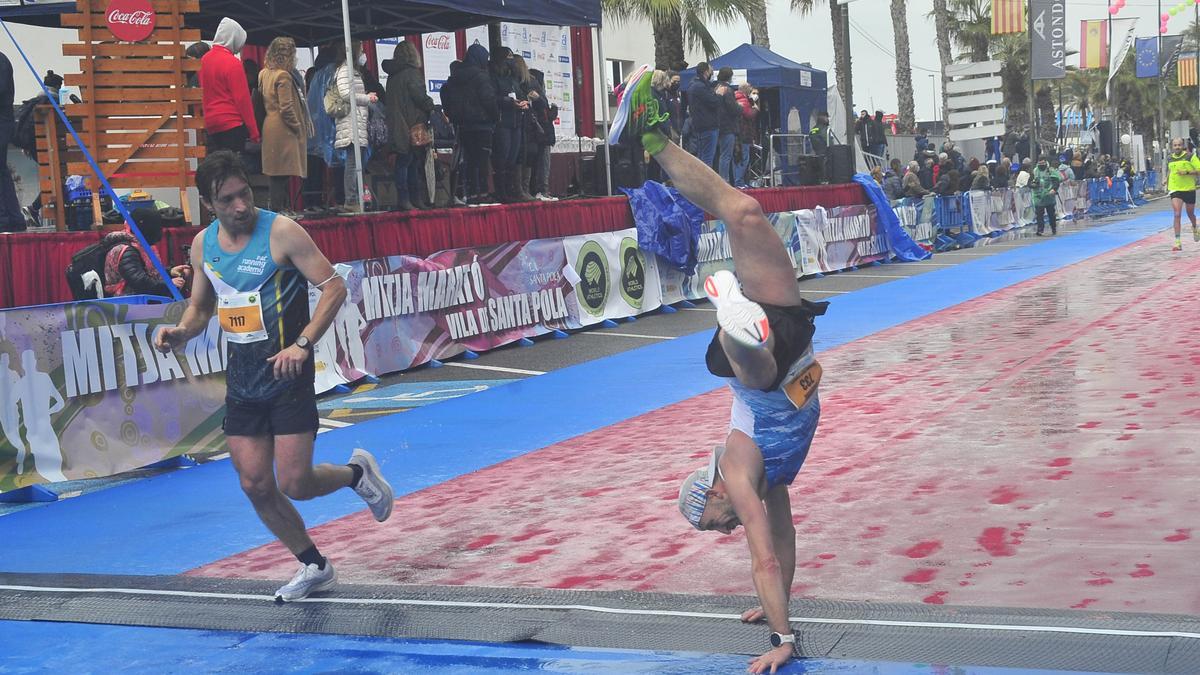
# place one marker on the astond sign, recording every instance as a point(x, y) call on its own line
point(131, 20)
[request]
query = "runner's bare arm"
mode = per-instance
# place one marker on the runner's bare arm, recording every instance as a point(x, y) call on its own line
point(783, 536)
point(301, 252)
point(765, 570)
point(200, 307)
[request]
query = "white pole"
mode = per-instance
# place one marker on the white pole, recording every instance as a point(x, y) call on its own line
point(354, 139)
point(604, 110)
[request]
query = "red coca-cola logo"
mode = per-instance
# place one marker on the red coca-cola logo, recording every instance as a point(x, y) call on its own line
point(437, 42)
point(131, 20)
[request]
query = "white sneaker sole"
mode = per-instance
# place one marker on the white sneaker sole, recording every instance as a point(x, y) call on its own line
point(742, 320)
point(319, 588)
point(373, 468)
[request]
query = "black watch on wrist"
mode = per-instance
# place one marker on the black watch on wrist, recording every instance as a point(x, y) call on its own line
point(304, 343)
point(780, 639)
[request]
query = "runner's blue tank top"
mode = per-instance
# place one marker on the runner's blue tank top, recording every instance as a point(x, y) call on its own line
point(284, 298)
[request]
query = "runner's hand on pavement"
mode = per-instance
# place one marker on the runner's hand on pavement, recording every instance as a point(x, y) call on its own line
point(770, 662)
point(289, 362)
point(753, 615)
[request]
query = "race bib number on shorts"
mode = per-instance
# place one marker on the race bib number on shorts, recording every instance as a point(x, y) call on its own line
point(241, 317)
point(803, 387)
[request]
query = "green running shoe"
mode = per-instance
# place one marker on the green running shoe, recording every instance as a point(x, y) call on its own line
point(637, 112)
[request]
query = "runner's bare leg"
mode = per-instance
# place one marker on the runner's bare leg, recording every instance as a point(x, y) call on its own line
point(760, 260)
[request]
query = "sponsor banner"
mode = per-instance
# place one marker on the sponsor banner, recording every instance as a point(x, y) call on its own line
point(403, 311)
point(828, 240)
point(437, 52)
point(613, 279)
point(916, 216)
point(1049, 20)
point(548, 49)
point(83, 393)
point(993, 211)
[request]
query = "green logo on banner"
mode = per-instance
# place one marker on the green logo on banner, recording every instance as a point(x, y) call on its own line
point(592, 267)
point(633, 273)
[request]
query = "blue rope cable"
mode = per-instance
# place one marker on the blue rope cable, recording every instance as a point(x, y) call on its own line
point(137, 232)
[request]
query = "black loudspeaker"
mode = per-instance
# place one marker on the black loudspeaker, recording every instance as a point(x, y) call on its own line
point(811, 169)
point(1105, 130)
point(839, 164)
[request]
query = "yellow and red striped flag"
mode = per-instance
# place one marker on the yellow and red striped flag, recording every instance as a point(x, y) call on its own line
point(1093, 44)
point(1187, 70)
point(1008, 16)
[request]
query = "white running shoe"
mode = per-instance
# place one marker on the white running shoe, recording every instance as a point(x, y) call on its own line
point(372, 487)
point(308, 580)
point(741, 318)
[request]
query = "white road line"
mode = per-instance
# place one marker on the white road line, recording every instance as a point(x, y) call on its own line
point(813, 290)
point(498, 369)
point(624, 335)
point(699, 309)
point(336, 424)
point(605, 610)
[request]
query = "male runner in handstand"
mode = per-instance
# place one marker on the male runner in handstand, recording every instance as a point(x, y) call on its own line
point(253, 269)
point(1182, 168)
point(764, 345)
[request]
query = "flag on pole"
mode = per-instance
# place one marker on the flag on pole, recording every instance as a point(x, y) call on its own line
point(1008, 16)
point(1187, 70)
point(1122, 32)
point(1147, 57)
point(1168, 50)
point(1093, 44)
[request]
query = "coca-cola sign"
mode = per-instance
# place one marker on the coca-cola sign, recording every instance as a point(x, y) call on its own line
point(131, 20)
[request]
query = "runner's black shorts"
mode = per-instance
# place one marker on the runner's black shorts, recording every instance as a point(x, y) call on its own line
point(1188, 196)
point(292, 412)
point(793, 330)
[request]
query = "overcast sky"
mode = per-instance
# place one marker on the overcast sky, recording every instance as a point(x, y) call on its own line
point(811, 40)
point(798, 39)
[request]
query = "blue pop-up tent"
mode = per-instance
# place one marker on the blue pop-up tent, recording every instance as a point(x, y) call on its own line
point(800, 87)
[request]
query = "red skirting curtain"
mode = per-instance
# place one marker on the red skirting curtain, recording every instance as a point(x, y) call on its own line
point(36, 266)
point(32, 266)
point(6, 275)
point(585, 89)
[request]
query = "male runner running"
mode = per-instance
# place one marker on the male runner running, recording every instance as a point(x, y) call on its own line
point(257, 266)
point(764, 345)
point(1183, 168)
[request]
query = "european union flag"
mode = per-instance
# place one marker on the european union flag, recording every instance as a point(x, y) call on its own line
point(1147, 57)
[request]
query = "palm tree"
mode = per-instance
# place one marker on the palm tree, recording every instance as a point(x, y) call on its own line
point(681, 24)
point(970, 27)
point(756, 19)
point(840, 48)
point(941, 23)
point(904, 87)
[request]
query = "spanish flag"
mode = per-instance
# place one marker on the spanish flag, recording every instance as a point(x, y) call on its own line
point(1093, 44)
point(1008, 16)
point(1187, 70)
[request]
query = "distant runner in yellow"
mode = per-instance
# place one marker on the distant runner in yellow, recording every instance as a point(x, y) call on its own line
point(1183, 168)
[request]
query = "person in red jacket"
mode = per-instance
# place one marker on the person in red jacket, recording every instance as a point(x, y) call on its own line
point(228, 112)
point(747, 98)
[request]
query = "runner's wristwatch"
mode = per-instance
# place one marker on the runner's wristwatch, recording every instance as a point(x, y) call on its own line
point(780, 639)
point(304, 343)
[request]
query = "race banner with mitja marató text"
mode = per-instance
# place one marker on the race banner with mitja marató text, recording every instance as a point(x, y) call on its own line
point(714, 252)
point(84, 394)
point(613, 279)
point(404, 311)
point(829, 240)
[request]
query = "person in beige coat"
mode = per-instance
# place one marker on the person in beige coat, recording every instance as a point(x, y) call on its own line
point(288, 127)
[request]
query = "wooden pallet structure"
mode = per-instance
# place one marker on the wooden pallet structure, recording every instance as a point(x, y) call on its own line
point(139, 119)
